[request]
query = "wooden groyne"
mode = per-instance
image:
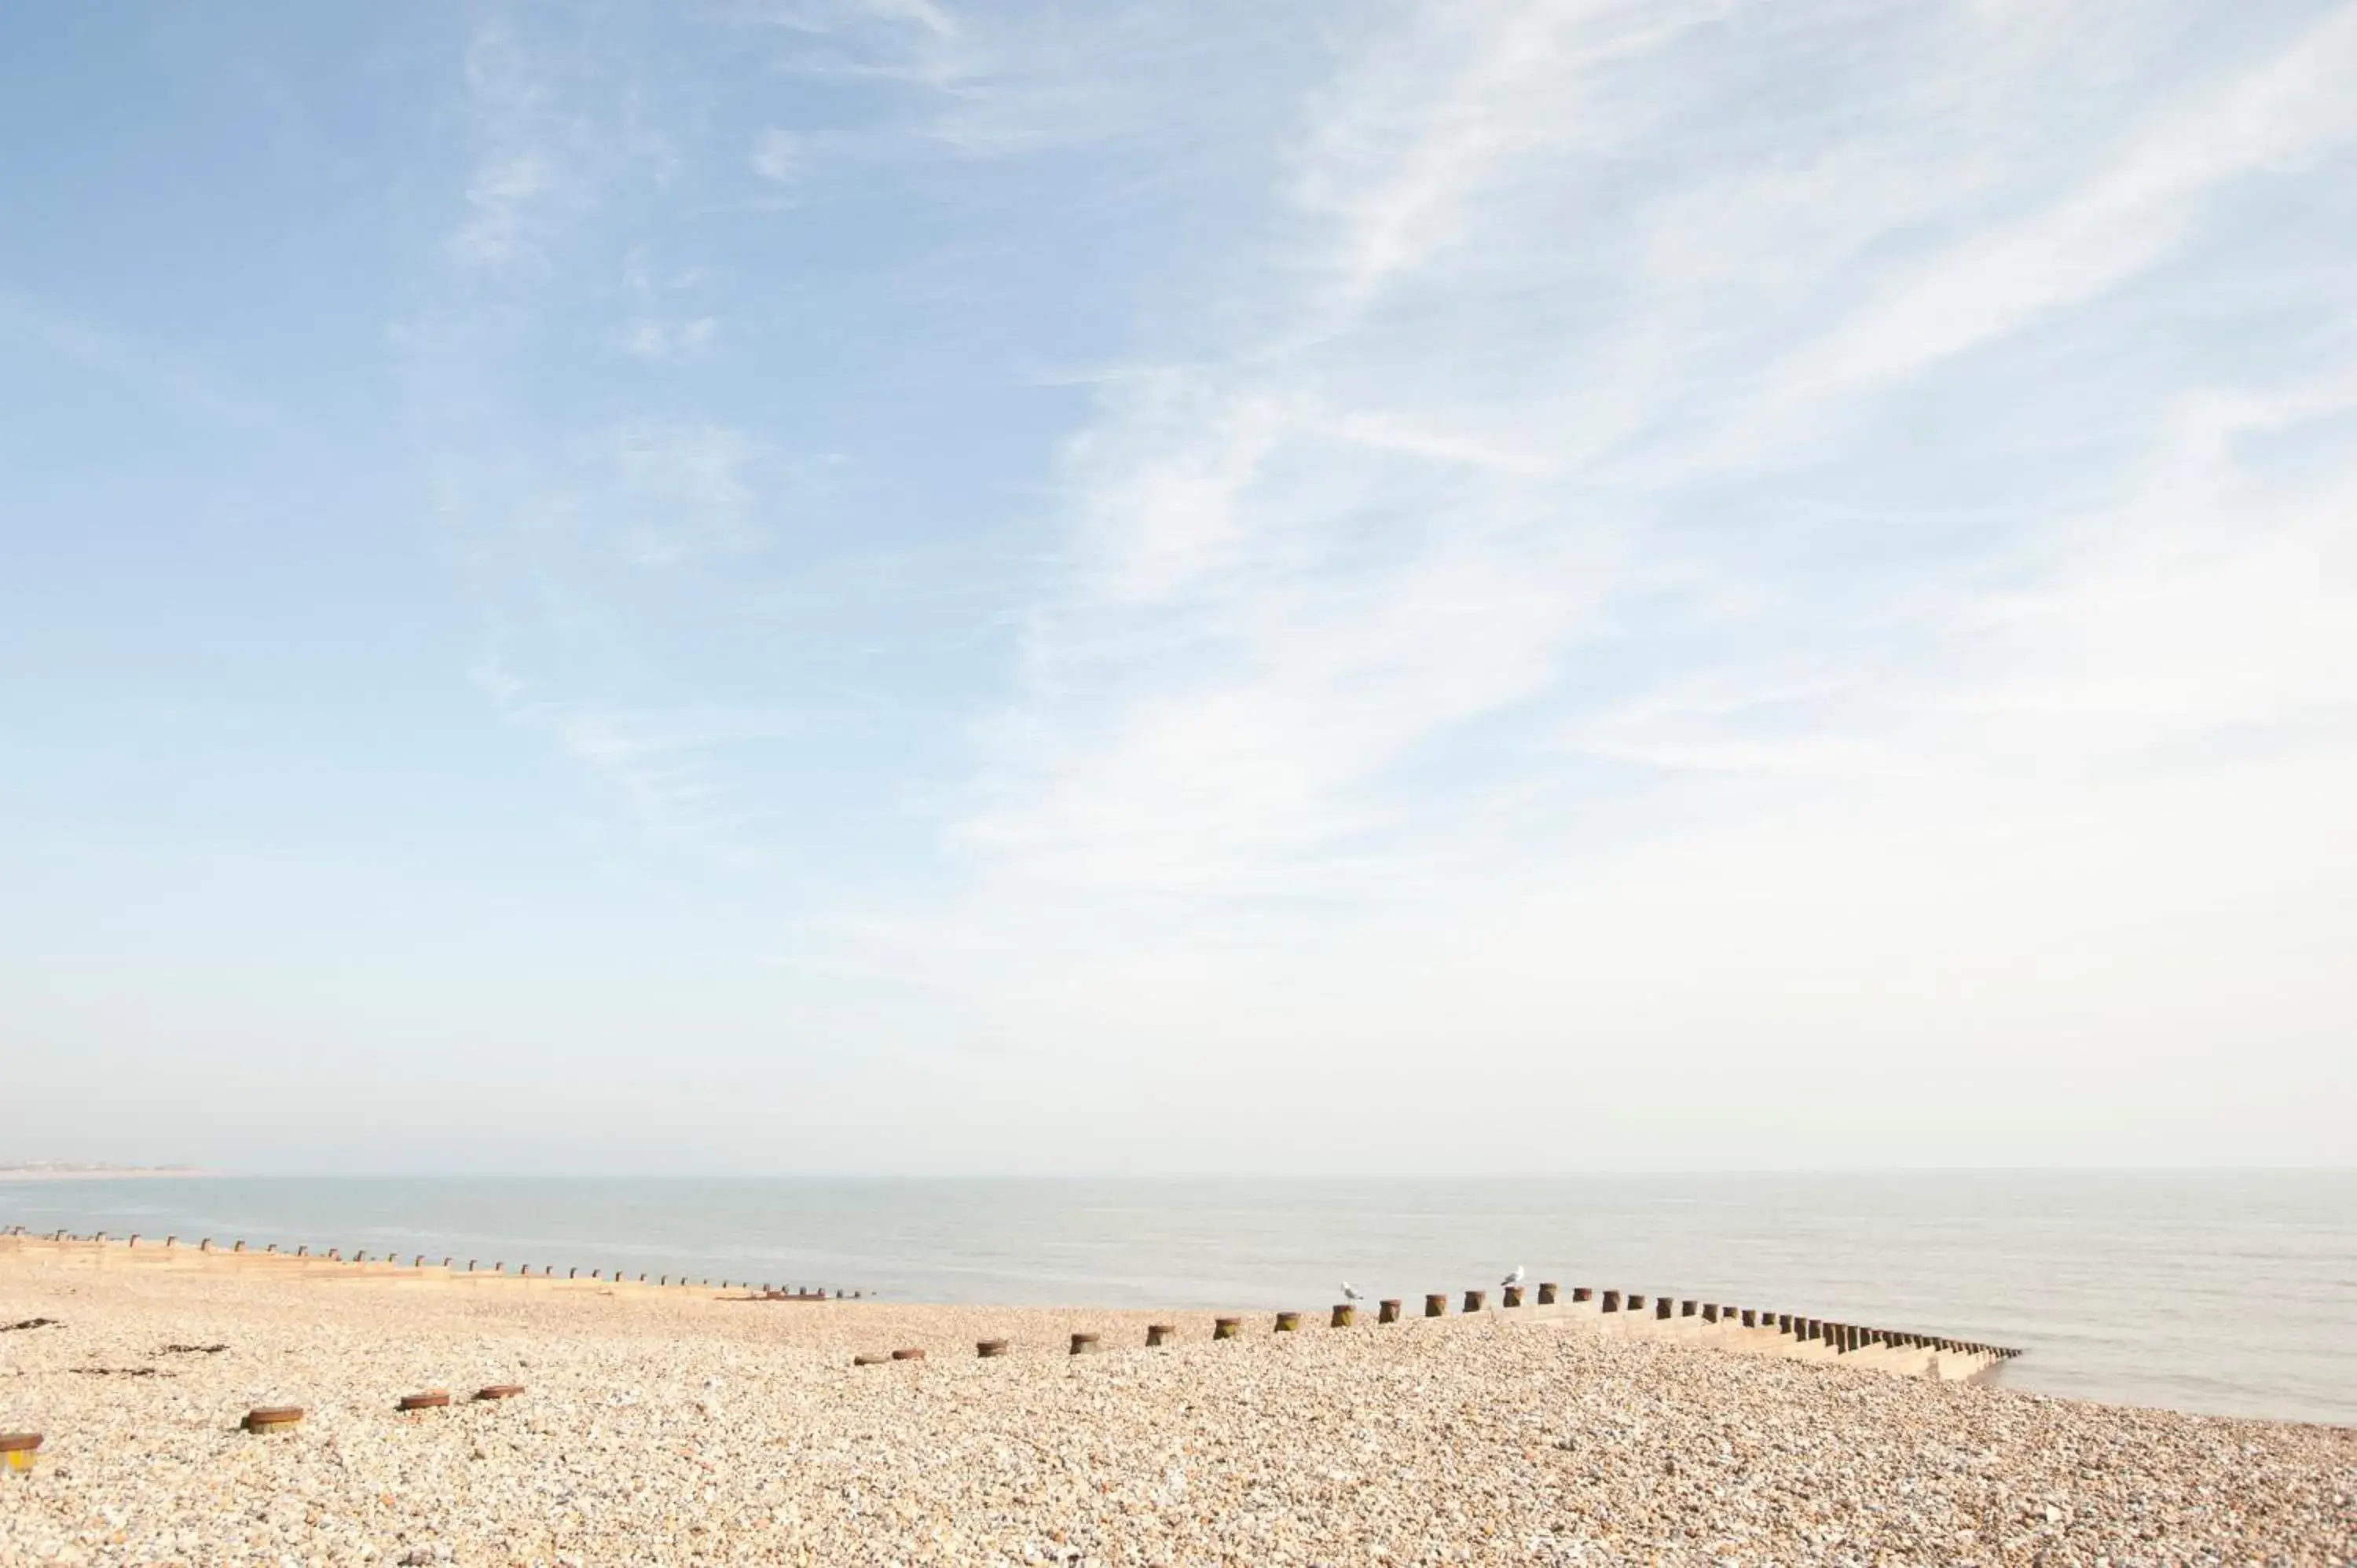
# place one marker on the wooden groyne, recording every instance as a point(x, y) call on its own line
point(175, 1252)
point(1622, 1313)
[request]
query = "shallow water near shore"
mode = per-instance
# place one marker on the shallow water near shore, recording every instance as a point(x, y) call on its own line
point(2233, 1294)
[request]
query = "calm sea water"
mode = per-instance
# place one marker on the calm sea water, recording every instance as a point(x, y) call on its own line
point(2232, 1294)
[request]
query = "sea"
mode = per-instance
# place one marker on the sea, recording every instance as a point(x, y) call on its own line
point(2232, 1294)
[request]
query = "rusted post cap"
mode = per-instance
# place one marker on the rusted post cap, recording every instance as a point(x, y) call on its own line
point(1082, 1344)
point(19, 1441)
point(988, 1348)
point(913, 1353)
point(273, 1417)
point(500, 1391)
point(1287, 1322)
point(432, 1399)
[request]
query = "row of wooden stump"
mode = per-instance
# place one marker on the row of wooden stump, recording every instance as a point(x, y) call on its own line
point(523, 1271)
point(1841, 1337)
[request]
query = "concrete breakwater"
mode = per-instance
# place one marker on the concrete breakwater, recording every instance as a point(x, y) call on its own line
point(1620, 1314)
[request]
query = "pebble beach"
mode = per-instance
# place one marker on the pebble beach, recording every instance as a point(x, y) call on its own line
point(692, 1426)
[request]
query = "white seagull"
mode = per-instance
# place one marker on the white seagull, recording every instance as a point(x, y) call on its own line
point(1513, 1279)
point(1350, 1292)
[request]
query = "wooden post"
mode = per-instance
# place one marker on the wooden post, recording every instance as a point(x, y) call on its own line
point(1750, 1318)
point(1160, 1333)
point(1287, 1322)
point(1710, 1312)
point(1084, 1343)
point(1512, 1296)
point(1226, 1327)
point(1345, 1315)
point(1582, 1292)
point(206, 1245)
point(1686, 1308)
point(1387, 1310)
point(1636, 1302)
point(1547, 1293)
point(986, 1349)
point(1660, 1307)
point(1611, 1302)
point(1473, 1299)
point(1436, 1305)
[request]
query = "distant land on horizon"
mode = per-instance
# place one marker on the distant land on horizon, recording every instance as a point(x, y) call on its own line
point(73, 1170)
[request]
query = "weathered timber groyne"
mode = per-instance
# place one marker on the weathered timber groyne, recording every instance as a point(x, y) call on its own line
point(1619, 1313)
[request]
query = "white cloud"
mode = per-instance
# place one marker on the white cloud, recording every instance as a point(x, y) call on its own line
point(683, 489)
point(660, 342)
point(1591, 554)
point(778, 155)
point(2288, 111)
point(529, 177)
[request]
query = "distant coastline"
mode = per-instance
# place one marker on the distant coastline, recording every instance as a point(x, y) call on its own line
point(65, 1170)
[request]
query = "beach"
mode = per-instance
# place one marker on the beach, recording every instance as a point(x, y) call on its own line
point(692, 1426)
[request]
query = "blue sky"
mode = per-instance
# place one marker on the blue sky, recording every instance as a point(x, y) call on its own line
point(889, 585)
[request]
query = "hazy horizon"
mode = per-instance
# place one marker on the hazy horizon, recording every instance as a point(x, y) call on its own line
point(795, 587)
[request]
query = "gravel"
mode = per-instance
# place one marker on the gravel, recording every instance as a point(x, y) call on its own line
point(670, 1426)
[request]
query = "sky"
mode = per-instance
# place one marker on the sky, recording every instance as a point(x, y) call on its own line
point(912, 586)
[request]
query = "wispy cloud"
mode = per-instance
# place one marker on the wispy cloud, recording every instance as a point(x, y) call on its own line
point(1561, 488)
point(151, 371)
point(662, 342)
point(1480, 548)
point(777, 156)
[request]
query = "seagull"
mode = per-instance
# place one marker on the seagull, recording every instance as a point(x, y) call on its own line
point(1513, 1279)
point(1350, 1292)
